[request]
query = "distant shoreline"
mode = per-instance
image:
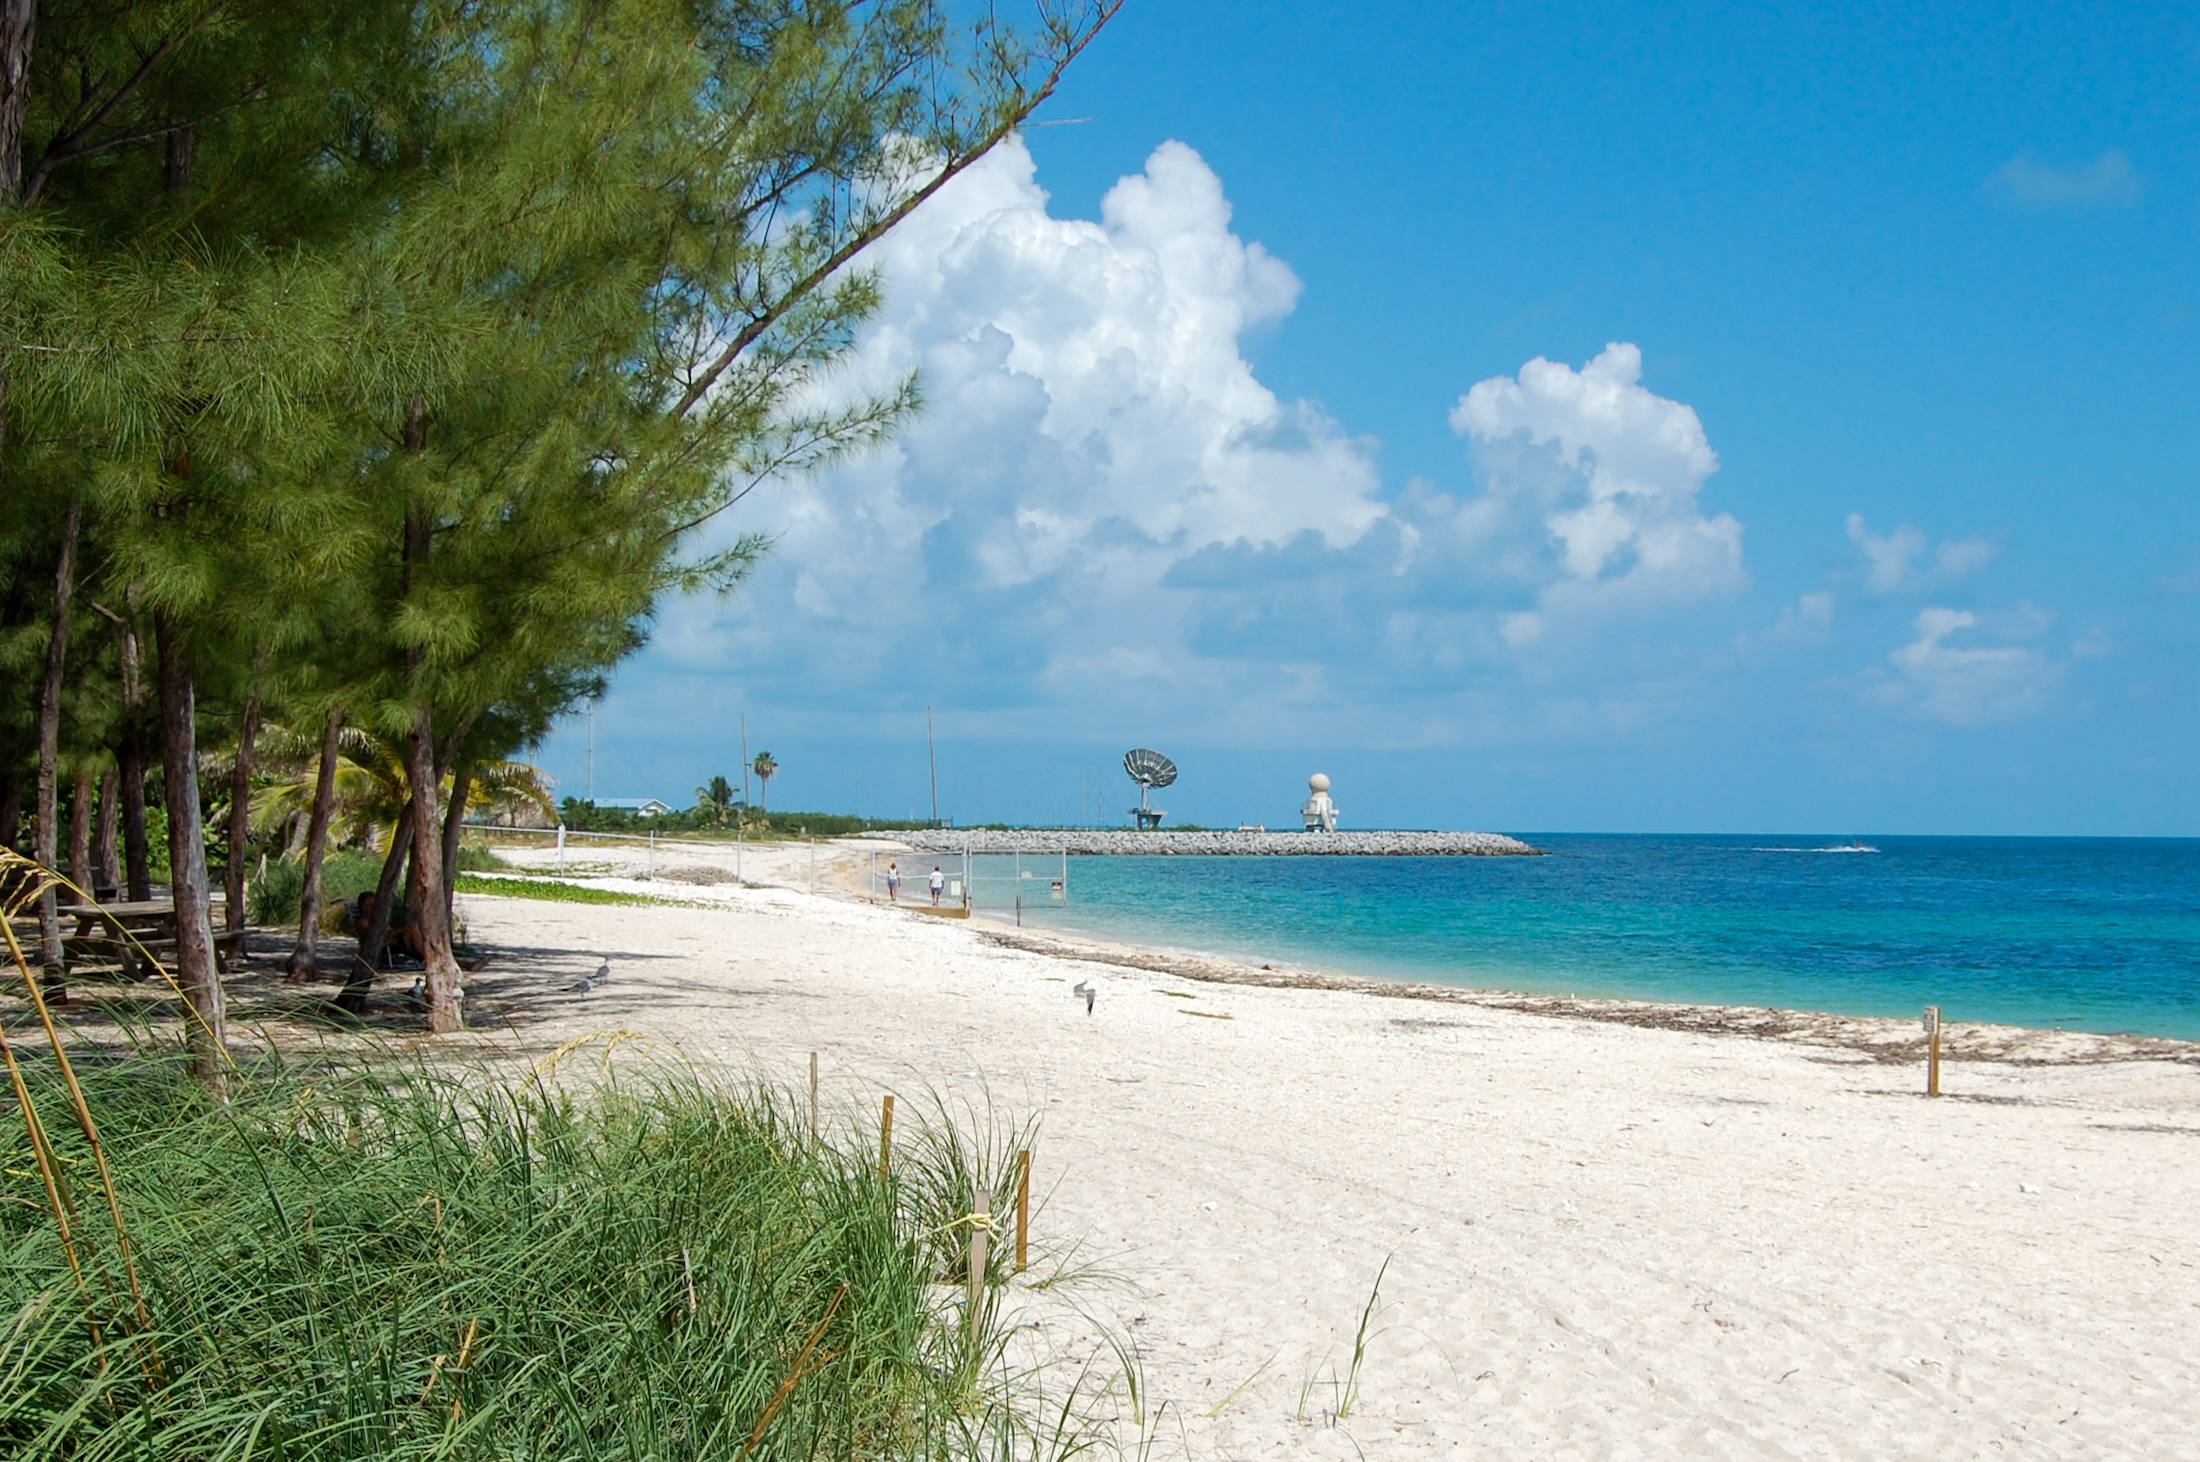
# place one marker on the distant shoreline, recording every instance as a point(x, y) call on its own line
point(1096, 842)
point(1883, 1040)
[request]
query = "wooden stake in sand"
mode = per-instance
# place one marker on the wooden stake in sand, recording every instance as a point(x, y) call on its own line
point(1023, 1210)
point(1932, 1050)
point(886, 1136)
point(981, 1226)
point(813, 1096)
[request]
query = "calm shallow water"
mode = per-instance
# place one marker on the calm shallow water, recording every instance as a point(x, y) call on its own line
point(2082, 933)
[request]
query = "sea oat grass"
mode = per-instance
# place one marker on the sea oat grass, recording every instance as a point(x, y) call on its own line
point(398, 1260)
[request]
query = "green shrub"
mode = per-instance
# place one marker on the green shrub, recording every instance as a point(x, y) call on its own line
point(475, 858)
point(275, 894)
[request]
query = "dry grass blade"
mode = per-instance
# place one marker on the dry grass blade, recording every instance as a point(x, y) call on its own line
point(49, 1171)
point(795, 1373)
point(42, 878)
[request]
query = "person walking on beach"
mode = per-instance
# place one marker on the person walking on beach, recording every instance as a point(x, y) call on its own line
point(893, 883)
point(939, 881)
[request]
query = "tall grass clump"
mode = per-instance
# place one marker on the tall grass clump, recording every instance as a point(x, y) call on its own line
point(277, 889)
point(399, 1261)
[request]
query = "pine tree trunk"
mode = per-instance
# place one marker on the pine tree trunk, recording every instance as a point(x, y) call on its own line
point(431, 902)
point(431, 914)
point(18, 30)
point(106, 848)
point(360, 982)
point(80, 831)
point(135, 855)
point(11, 811)
point(304, 962)
point(48, 851)
point(130, 760)
point(454, 823)
point(206, 1033)
point(240, 813)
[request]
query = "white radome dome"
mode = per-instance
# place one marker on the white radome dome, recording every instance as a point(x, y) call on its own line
point(1319, 782)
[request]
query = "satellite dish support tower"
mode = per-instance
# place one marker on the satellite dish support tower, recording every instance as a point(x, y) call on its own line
point(1149, 769)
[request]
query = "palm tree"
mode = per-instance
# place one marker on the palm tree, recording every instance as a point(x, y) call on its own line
point(372, 786)
point(765, 769)
point(716, 798)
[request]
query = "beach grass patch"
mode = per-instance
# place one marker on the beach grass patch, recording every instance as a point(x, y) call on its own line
point(552, 889)
point(405, 1261)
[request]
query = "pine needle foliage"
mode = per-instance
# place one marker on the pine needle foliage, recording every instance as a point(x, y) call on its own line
point(400, 358)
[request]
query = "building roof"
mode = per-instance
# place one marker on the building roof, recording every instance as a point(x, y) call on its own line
point(649, 806)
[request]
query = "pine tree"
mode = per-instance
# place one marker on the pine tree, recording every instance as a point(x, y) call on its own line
point(470, 315)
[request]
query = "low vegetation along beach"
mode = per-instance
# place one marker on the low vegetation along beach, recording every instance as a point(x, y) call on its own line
point(1273, 1211)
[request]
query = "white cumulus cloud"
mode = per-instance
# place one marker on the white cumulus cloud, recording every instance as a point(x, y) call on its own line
point(1944, 674)
point(1102, 507)
point(1090, 419)
point(1611, 471)
point(2108, 180)
point(1904, 561)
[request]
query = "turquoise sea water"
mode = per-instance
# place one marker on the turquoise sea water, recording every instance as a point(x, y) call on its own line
point(2085, 934)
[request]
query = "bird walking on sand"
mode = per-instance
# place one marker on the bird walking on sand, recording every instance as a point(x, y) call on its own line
point(585, 985)
point(1086, 990)
point(603, 973)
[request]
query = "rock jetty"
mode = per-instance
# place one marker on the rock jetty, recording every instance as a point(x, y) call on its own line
point(1087, 842)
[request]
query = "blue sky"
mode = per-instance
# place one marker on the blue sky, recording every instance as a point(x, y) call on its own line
point(1741, 418)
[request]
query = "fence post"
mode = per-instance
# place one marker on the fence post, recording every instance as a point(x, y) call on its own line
point(652, 869)
point(561, 847)
point(1932, 1050)
point(981, 1221)
point(1023, 1210)
point(886, 1137)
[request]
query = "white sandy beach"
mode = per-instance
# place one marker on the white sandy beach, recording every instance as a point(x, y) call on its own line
point(1603, 1240)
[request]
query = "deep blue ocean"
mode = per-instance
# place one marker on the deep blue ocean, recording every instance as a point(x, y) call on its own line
point(2098, 934)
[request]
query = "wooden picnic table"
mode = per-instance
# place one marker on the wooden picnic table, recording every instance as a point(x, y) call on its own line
point(121, 929)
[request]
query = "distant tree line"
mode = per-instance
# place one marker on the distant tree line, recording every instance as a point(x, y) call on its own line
point(369, 371)
point(582, 815)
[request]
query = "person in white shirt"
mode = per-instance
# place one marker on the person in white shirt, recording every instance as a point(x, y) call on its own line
point(939, 882)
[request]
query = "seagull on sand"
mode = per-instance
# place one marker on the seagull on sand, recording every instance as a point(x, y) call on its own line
point(603, 973)
point(1086, 990)
point(584, 986)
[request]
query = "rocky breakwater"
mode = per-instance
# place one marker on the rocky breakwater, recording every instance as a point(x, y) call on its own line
point(1219, 844)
